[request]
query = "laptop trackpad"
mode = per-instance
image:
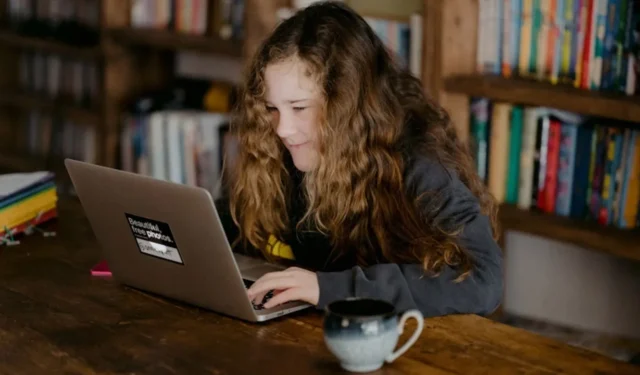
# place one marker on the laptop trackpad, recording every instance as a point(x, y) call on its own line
point(254, 273)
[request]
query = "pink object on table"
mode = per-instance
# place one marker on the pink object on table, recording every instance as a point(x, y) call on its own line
point(101, 269)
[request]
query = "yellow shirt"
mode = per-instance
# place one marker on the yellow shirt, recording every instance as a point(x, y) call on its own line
point(279, 249)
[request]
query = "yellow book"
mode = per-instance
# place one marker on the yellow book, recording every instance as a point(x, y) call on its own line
point(38, 201)
point(499, 150)
point(525, 37)
point(28, 216)
point(567, 41)
point(581, 37)
point(630, 208)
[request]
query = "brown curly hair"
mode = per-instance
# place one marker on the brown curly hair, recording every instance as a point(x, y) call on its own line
point(374, 115)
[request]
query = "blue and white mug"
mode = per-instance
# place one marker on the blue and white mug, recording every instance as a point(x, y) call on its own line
point(362, 332)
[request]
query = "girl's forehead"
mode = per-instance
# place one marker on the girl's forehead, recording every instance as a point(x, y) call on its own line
point(288, 80)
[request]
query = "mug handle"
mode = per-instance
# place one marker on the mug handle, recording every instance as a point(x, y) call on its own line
point(403, 320)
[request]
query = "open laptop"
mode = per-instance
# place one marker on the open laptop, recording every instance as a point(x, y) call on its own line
point(166, 238)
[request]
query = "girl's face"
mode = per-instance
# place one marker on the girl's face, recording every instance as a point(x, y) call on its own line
point(294, 101)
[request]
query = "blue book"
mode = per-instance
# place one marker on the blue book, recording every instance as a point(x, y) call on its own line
point(16, 185)
point(577, 39)
point(612, 170)
point(613, 23)
point(566, 166)
point(497, 67)
point(581, 167)
point(557, 59)
point(627, 166)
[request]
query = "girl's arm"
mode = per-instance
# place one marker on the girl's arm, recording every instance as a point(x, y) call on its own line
point(406, 285)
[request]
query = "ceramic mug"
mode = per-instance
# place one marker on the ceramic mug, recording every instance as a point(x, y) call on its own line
point(363, 332)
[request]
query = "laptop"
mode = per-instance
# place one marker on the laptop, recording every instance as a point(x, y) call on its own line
point(167, 239)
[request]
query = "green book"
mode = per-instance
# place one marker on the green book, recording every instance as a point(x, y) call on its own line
point(515, 145)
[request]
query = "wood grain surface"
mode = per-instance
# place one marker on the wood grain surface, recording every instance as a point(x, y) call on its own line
point(57, 319)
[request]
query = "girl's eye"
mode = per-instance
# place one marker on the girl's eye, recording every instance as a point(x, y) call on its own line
point(271, 109)
point(297, 109)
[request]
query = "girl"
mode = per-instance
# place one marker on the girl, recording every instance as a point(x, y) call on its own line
point(346, 169)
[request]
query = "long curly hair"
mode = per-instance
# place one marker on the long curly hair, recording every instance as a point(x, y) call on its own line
point(374, 114)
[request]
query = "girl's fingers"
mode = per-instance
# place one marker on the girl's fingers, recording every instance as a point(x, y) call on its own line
point(288, 295)
point(262, 286)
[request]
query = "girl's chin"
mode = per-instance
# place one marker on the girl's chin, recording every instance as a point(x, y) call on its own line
point(304, 161)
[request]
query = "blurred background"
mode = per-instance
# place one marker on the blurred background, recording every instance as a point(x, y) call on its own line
point(544, 92)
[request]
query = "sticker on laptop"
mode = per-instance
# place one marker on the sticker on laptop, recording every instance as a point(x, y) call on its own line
point(154, 238)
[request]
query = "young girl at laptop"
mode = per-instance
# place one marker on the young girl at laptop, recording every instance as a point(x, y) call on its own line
point(351, 172)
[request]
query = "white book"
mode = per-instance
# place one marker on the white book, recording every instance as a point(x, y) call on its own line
point(482, 35)
point(190, 139)
point(173, 155)
point(155, 146)
point(415, 53)
point(527, 153)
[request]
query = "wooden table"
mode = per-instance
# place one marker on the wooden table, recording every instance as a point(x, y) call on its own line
point(57, 319)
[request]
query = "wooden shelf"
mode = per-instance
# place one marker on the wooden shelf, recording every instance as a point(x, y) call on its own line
point(534, 93)
point(29, 101)
point(164, 39)
point(12, 162)
point(10, 38)
point(620, 242)
point(25, 163)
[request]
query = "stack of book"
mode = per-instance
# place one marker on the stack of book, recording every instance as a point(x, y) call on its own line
point(190, 16)
point(179, 134)
point(26, 200)
point(558, 162)
point(589, 44)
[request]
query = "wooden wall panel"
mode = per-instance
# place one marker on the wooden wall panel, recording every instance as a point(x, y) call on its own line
point(450, 30)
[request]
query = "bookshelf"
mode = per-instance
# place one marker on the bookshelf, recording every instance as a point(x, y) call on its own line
point(536, 93)
point(28, 101)
point(168, 40)
point(621, 243)
point(129, 61)
point(451, 38)
point(12, 39)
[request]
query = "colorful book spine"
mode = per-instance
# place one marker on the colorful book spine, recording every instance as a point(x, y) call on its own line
point(515, 145)
point(581, 26)
point(614, 213)
point(540, 160)
point(608, 61)
point(480, 134)
point(543, 72)
point(526, 38)
point(596, 65)
point(536, 26)
point(547, 197)
point(560, 36)
point(566, 165)
point(598, 159)
point(527, 155)
point(614, 148)
point(581, 181)
point(513, 8)
point(631, 192)
point(619, 63)
point(589, 44)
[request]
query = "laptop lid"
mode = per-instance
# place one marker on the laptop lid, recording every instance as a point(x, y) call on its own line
point(161, 237)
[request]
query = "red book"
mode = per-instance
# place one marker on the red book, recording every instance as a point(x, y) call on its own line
point(547, 196)
point(586, 49)
point(20, 228)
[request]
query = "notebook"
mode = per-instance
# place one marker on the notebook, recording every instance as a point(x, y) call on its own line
point(14, 184)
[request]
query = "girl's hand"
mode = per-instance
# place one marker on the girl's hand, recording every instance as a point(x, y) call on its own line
point(292, 284)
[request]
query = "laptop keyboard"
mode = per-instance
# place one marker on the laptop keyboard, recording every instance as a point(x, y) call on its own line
point(267, 297)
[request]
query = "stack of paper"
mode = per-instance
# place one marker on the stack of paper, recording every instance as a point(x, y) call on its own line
point(26, 199)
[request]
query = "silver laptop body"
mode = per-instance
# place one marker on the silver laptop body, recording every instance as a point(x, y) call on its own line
point(166, 238)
